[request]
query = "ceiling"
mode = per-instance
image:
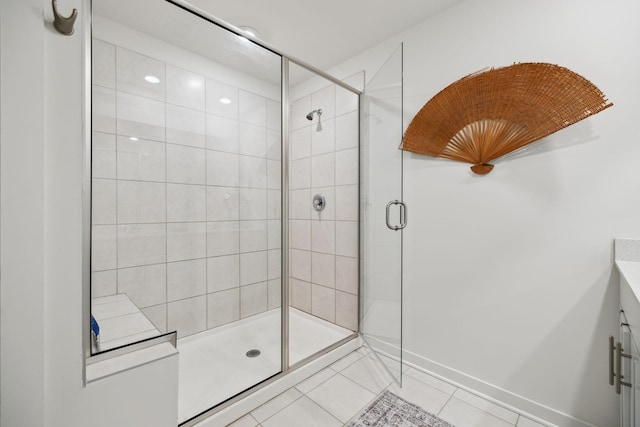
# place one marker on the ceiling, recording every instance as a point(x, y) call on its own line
point(321, 34)
point(324, 33)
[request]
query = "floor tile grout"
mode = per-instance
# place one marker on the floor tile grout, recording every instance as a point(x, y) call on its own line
point(374, 374)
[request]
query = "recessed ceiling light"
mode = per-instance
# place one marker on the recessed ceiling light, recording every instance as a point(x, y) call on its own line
point(152, 79)
point(225, 100)
point(133, 138)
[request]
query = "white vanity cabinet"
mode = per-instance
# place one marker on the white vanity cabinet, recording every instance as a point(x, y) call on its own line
point(624, 365)
point(624, 357)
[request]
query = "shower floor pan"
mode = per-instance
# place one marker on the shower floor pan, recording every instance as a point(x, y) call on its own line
point(214, 365)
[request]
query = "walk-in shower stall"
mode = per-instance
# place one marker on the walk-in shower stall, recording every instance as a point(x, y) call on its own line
point(226, 201)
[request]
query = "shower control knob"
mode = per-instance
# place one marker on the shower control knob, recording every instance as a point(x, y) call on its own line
point(319, 202)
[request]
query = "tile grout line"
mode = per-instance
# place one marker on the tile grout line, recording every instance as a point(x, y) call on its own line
point(446, 403)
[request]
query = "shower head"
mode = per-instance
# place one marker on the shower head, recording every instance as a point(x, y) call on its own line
point(318, 112)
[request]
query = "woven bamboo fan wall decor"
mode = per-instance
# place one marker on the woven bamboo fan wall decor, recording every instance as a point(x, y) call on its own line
point(486, 115)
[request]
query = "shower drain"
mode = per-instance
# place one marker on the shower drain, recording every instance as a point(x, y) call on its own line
point(253, 353)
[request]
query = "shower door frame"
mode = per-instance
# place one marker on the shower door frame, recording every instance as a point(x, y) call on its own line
point(285, 119)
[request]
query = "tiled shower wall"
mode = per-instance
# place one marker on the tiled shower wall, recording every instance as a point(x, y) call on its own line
point(324, 245)
point(186, 193)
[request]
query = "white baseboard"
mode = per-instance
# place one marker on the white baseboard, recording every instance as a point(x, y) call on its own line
point(529, 408)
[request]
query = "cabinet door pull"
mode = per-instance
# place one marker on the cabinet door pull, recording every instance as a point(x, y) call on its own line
point(619, 376)
point(612, 349)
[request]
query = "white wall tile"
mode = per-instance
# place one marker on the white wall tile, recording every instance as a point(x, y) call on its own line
point(185, 88)
point(104, 283)
point(300, 234)
point(323, 269)
point(323, 302)
point(223, 273)
point(274, 115)
point(222, 134)
point(146, 285)
point(325, 99)
point(253, 172)
point(252, 140)
point(253, 268)
point(186, 126)
point(141, 244)
point(347, 203)
point(253, 236)
point(347, 131)
point(131, 70)
point(223, 203)
point(252, 108)
point(323, 237)
point(301, 295)
point(346, 101)
point(103, 247)
point(299, 110)
point(323, 170)
point(300, 143)
point(347, 274)
point(347, 238)
point(103, 64)
point(323, 141)
point(274, 174)
point(186, 203)
point(253, 299)
point(141, 202)
point(253, 204)
point(274, 264)
point(188, 316)
point(300, 264)
point(215, 92)
point(103, 201)
point(274, 294)
point(274, 204)
point(223, 307)
point(300, 174)
point(186, 279)
point(158, 316)
point(223, 238)
point(186, 240)
point(222, 169)
point(103, 155)
point(347, 167)
point(347, 310)
point(274, 237)
point(141, 160)
point(300, 204)
point(186, 165)
point(103, 110)
point(274, 145)
point(140, 117)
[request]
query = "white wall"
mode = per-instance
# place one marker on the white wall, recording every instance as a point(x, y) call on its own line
point(509, 283)
point(41, 261)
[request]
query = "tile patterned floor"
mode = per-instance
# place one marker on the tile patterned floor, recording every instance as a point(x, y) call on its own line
point(336, 394)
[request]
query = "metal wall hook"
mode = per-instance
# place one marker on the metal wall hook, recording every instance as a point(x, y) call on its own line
point(62, 24)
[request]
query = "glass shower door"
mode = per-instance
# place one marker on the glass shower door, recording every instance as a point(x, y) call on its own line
point(383, 214)
point(186, 192)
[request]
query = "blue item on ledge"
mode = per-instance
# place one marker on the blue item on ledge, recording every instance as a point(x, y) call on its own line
point(95, 328)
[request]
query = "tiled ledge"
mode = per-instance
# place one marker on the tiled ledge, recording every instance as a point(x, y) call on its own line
point(127, 338)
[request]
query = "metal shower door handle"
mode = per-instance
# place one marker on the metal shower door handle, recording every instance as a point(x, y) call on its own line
point(403, 215)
